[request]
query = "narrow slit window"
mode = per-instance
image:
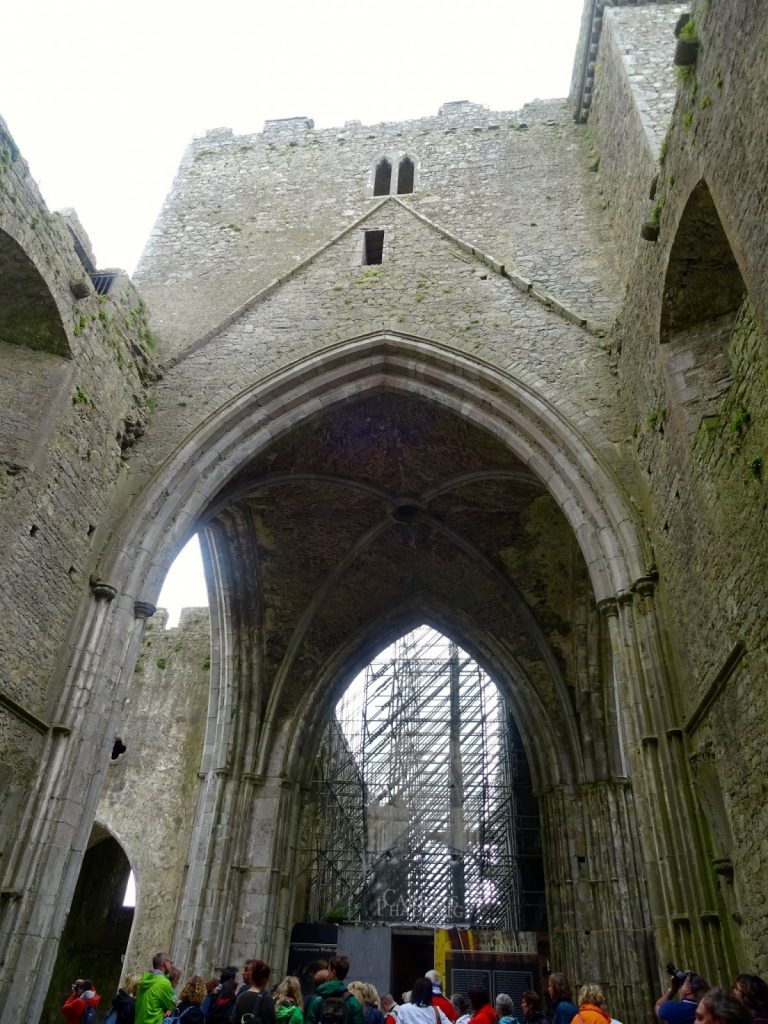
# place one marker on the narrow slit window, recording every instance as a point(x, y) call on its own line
point(405, 177)
point(383, 180)
point(374, 247)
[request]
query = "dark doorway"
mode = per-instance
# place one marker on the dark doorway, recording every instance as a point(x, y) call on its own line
point(413, 954)
point(97, 929)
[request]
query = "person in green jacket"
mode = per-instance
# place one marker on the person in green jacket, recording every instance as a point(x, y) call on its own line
point(155, 995)
point(289, 1007)
point(332, 996)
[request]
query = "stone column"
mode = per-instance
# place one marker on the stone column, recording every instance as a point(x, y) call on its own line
point(46, 862)
point(238, 899)
point(264, 914)
point(599, 924)
point(689, 923)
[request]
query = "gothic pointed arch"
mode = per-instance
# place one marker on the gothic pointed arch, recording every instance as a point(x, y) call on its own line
point(534, 715)
point(382, 177)
point(703, 282)
point(190, 480)
point(703, 293)
point(423, 756)
point(99, 922)
point(406, 173)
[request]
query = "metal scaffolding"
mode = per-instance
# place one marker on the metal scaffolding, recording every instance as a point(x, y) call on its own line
point(415, 815)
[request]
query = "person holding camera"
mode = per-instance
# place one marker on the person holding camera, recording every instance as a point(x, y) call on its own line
point(83, 994)
point(690, 987)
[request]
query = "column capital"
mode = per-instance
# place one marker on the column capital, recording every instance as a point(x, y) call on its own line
point(645, 585)
point(143, 609)
point(102, 590)
point(609, 607)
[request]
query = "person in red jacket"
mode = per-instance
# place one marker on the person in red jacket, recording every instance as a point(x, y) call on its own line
point(83, 993)
point(482, 1011)
point(438, 999)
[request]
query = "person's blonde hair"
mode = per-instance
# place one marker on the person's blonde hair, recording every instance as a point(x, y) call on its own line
point(131, 984)
point(592, 993)
point(357, 988)
point(371, 994)
point(194, 992)
point(288, 992)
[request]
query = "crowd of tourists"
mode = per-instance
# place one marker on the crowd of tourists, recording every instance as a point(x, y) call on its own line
point(155, 998)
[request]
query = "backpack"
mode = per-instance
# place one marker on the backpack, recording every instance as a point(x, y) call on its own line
point(89, 1014)
point(253, 1013)
point(333, 1009)
point(221, 1009)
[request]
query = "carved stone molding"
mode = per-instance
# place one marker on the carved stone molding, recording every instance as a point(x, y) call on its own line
point(102, 591)
point(143, 609)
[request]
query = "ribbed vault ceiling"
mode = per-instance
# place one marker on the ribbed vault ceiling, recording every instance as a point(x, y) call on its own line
point(387, 501)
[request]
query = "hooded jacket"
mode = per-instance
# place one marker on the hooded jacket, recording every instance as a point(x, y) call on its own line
point(74, 1005)
point(590, 1014)
point(154, 997)
point(354, 1011)
point(289, 1014)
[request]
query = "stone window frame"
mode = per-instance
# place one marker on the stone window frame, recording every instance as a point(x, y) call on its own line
point(395, 160)
point(361, 252)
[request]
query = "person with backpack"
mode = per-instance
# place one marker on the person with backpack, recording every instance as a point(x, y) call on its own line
point(332, 1002)
point(223, 1005)
point(190, 1009)
point(81, 1004)
point(255, 1005)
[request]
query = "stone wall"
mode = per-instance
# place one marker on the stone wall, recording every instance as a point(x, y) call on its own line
point(244, 210)
point(634, 77)
point(150, 792)
point(74, 366)
point(428, 285)
point(501, 280)
point(700, 434)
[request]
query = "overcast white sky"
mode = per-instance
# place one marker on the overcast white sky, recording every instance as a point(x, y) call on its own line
point(102, 99)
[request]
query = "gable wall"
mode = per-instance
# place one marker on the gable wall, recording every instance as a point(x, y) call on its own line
point(244, 210)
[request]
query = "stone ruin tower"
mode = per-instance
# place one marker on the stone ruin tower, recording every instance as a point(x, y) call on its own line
point(499, 372)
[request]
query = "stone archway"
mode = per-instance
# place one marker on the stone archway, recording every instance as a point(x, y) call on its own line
point(317, 494)
point(98, 925)
point(515, 448)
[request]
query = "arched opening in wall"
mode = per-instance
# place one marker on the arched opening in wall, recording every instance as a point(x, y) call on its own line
point(32, 338)
point(381, 506)
point(382, 182)
point(98, 926)
point(405, 176)
point(423, 814)
point(29, 316)
point(703, 292)
point(185, 585)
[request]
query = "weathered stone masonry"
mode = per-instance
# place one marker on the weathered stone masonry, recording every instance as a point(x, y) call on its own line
point(576, 410)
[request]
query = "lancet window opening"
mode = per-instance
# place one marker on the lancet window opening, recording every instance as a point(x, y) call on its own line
point(395, 175)
point(415, 815)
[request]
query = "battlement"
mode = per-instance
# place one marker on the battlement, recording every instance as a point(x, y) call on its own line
point(450, 117)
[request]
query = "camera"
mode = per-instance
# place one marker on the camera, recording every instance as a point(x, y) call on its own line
point(675, 973)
